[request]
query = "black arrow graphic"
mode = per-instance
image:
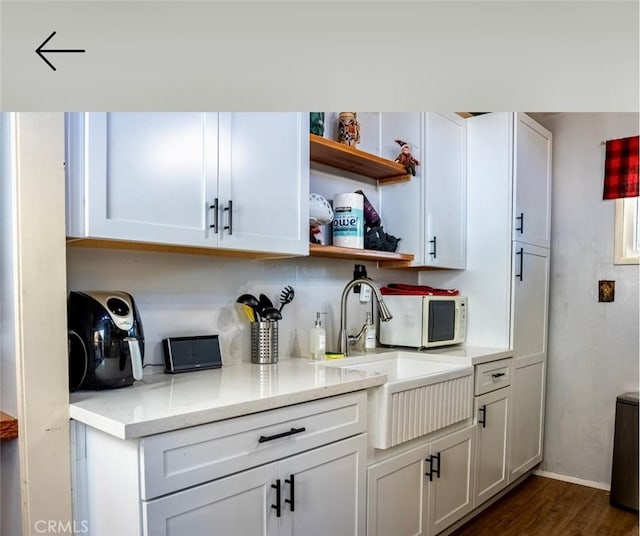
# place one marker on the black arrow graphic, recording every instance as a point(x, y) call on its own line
point(40, 50)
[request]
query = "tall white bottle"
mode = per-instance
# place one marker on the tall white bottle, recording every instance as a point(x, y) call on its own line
point(369, 334)
point(318, 340)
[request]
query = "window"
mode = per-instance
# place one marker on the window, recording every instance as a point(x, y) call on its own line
point(627, 237)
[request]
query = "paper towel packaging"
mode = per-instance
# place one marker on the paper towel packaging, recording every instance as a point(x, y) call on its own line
point(348, 220)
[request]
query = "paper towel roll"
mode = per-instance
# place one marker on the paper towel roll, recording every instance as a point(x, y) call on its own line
point(348, 220)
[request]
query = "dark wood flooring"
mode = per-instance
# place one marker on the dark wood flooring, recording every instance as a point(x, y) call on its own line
point(547, 507)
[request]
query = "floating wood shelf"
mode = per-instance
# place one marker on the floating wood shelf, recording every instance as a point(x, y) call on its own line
point(8, 426)
point(335, 252)
point(167, 248)
point(340, 156)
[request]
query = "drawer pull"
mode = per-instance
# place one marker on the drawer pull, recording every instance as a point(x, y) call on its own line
point(433, 471)
point(498, 375)
point(278, 506)
point(291, 500)
point(262, 438)
point(437, 471)
point(483, 421)
point(521, 255)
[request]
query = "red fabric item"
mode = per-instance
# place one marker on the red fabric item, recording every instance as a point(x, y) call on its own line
point(621, 168)
point(401, 289)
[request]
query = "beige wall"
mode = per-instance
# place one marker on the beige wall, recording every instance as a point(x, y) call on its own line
point(593, 347)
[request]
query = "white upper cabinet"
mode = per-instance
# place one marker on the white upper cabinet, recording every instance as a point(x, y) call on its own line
point(264, 171)
point(532, 182)
point(145, 177)
point(429, 213)
point(446, 191)
point(215, 180)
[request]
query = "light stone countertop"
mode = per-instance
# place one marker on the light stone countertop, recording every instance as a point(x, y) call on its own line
point(467, 355)
point(162, 402)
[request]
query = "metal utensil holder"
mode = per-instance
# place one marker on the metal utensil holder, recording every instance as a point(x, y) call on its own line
point(264, 342)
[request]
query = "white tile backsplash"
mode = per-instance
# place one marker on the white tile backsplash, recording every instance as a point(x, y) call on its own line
point(180, 295)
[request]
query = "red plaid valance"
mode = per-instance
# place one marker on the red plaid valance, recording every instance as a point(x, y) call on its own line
point(621, 168)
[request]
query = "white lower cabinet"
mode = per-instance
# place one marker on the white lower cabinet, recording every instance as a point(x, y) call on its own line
point(395, 494)
point(492, 442)
point(424, 490)
point(530, 302)
point(295, 470)
point(238, 504)
point(527, 421)
point(451, 482)
point(315, 493)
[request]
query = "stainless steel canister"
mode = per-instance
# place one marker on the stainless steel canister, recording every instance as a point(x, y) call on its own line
point(264, 342)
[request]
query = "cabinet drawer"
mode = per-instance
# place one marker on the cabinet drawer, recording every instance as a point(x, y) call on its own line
point(492, 376)
point(184, 458)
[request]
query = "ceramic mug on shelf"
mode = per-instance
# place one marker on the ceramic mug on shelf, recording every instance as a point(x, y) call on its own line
point(348, 129)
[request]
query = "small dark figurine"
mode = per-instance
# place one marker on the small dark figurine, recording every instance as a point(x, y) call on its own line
point(378, 240)
point(406, 159)
point(314, 234)
point(316, 123)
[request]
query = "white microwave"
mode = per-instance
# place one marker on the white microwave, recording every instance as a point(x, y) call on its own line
point(424, 321)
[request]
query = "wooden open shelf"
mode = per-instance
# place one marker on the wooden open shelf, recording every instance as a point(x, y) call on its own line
point(335, 252)
point(337, 155)
point(8, 426)
point(167, 248)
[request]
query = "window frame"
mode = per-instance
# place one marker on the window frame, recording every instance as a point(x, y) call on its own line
point(627, 231)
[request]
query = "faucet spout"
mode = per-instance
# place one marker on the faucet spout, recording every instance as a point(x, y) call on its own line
point(383, 310)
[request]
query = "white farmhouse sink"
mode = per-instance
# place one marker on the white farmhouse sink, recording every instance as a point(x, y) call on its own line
point(419, 397)
point(400, 369)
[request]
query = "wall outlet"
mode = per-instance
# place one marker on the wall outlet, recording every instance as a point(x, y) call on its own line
point(606, 291)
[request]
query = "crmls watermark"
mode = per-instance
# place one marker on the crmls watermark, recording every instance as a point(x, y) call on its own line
point(52, 526)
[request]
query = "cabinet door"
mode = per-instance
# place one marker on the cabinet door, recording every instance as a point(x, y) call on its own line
point(532, 182)
point(395, 495)
point(239, 504)
point(492, 442)
point(264, 182)
point(429, 212)
point(324, 490)
point(530, 301)
point(527, 419)
point(402, 206)
point(147, 177)
point(445, 193)
point(450, 494)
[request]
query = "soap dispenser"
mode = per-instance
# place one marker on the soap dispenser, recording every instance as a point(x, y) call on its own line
point(318, 339)
point(369, 334)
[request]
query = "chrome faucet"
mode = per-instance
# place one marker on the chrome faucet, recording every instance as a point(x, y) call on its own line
point(385, 315)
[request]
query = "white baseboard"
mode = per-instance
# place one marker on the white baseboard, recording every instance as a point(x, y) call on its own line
point(573, 480)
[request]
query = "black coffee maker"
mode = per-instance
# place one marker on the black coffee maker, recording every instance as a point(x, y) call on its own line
point(106, 340)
